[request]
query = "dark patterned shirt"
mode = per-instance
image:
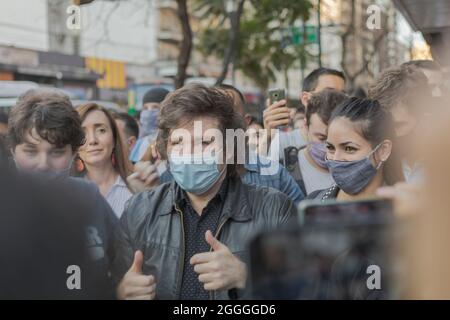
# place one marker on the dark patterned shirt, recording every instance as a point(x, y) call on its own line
point(195, 227)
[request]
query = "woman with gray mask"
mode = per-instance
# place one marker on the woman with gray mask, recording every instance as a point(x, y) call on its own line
point(360, 151)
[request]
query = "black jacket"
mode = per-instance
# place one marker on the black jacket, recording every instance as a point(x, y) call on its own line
point(325, 194)
point(152, 222)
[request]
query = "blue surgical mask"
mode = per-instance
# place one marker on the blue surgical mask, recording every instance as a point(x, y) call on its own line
point(149, 122)
point(194, 173)
point(353, 176)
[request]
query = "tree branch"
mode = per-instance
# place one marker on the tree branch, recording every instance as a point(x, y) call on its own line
point(367, 61)
point(232, 43)
point(345, 35)
point(185, 45)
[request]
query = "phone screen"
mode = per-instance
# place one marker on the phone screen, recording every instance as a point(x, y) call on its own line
point(333, 255)
point(344, 211)
point(324, 261)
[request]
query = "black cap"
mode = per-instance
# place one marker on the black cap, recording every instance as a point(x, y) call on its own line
point(155, 95)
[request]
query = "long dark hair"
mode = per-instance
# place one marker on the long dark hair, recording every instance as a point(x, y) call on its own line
point(122, 165)
point(375, 125)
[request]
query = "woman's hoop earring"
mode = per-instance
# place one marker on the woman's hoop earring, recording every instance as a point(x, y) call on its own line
point(79, 165)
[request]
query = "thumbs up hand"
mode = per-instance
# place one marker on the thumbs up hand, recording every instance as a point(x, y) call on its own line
point(215, 244)
point(135, 285)
point(219, 269)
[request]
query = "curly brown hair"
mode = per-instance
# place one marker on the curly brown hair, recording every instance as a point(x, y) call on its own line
point(52, 116)
point(406, 85)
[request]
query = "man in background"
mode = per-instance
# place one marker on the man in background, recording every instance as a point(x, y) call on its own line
point(313, 173)
point(278, 113)
point(129, 129)
point(148, 121)
point(405, 92)
point(433, 73)
point(298, 113)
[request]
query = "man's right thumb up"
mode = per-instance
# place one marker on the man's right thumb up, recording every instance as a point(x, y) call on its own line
point(137, 262)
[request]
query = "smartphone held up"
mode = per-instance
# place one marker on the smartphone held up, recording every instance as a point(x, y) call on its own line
point(276, 95)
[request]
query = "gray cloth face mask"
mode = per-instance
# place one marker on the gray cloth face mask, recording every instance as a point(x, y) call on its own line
point(353, 176)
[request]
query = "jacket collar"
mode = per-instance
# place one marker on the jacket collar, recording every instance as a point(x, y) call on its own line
point(330, 193)
point(235, 204)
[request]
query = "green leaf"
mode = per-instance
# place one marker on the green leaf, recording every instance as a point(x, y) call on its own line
point(265, 40)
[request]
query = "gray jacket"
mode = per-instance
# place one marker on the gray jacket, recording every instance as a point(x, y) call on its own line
point(152, 222)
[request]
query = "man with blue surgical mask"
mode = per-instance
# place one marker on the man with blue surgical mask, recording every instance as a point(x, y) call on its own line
point(257, 170)
point(148, 122)
point(312, 171)
point(188, 239)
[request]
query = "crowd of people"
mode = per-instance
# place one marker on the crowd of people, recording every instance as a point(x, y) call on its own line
point(169, 206)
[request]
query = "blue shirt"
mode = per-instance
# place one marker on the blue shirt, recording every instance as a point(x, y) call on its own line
point(280, 179)
point(141, 146)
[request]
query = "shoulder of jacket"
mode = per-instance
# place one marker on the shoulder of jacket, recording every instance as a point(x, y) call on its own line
point(145, 204)
point(149, 195)
point(259, 195)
